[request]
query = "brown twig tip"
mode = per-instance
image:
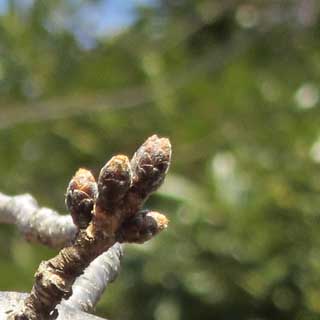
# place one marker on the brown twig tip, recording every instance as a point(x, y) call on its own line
point(142, 227)
point(80, 196)
point(114, 182)
point(150, 164)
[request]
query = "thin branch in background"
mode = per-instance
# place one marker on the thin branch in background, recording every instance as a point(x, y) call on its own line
point(58, 108)
point(124, 99)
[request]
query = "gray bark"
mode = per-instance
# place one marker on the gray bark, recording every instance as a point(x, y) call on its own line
point(46, 226)
point(10, 300)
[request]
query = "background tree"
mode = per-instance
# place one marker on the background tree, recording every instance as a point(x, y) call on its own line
point(234, 84)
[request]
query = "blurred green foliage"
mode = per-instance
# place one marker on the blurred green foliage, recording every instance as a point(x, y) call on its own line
point(235, 86)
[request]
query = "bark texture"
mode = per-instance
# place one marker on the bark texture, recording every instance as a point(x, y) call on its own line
point(42, 225)
point(46, 226)
point(10, 300)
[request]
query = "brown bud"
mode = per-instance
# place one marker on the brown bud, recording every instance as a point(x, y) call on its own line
point(142, 227)
point(150, 165)
point(80, 197)
point(114, 182)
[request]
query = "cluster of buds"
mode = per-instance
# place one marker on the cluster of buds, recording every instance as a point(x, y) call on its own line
point(105, 212)
point(114, 202)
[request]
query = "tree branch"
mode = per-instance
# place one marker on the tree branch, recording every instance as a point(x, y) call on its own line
point(41, 225)
point(10, 300)
point(46, 226)
point(89, 287)
point(121, 191)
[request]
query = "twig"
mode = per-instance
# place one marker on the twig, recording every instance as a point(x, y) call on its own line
point(42, 225)
point(89, 287)
point(10, 300)
point(122, 189)
point(46, 226)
